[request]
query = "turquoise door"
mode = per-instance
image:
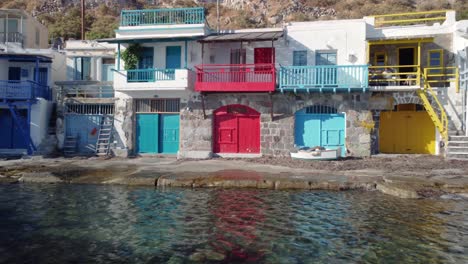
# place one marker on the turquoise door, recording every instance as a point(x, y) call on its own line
point(157, 133)
point(147, 133)
point(325, 130)
point(169, 133)
point(173, 57)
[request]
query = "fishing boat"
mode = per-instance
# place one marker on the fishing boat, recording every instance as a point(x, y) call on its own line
point(316, 153)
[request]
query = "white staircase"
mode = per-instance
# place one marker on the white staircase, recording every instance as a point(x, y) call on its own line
point(457, 147)
point(105, 136)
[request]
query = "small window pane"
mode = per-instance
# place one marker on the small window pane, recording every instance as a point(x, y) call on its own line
point(299, 58)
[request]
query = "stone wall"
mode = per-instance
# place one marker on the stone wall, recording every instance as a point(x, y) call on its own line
point(277, 133)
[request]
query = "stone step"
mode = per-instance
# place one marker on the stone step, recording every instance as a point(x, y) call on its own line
point(458, 155)
point(454, 149)
point(458, 138)
point(457, 143)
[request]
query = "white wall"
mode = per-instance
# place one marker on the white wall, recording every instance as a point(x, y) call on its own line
point(156, 31)
point(346, 37)
point(40, 115)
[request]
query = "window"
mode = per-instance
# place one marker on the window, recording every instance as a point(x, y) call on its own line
point(380, 58)
point(299, 58)
point(435, 58)
point(325, 58)
point(82, 68)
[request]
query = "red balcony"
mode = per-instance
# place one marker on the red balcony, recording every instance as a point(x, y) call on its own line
point(235, 78)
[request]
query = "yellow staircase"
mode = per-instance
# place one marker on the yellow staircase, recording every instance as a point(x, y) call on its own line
point(429, 98)
point(436, 111)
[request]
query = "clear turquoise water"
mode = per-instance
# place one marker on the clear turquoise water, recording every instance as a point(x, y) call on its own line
point(115, 224)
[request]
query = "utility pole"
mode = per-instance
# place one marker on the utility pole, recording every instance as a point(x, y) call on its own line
point(217, 16)
point(82, 19)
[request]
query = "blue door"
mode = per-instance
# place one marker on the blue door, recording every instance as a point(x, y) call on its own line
point(6, 131)
point(147, 133)
point(14, 73)
point(107, 74)
point(86, 129)
point(169, 133)
point(173, 57)
point(324, 130)
point(157, 133)
point(11, 136)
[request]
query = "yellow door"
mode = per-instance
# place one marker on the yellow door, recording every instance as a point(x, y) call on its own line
point(406, 132)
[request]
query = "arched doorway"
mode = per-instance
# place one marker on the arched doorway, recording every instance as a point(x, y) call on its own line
point(322, 126)
point(236, 130)
point(407, 129)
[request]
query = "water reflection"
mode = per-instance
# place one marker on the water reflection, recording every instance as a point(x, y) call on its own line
point(112, 224)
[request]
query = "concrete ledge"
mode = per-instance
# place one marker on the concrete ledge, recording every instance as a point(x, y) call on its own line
point(238, 155)
point(194, 155)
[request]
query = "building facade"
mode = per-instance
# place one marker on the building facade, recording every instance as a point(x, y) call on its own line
point(86, 98)
point(366, 86)
point(26, 72)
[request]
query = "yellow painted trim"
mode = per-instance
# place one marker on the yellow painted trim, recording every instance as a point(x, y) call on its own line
point(410, 18)
point(441, 53)
point(400, 41)
point(380, 53)
point(415, 13)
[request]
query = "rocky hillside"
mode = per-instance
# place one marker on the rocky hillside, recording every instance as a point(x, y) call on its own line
point(63, 16)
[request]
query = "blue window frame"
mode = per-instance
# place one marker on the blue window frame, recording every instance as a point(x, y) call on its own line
point(299, 58)
point(82, 68)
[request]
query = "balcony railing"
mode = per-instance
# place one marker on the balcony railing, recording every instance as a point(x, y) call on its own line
point(11, 37)
point(150, 75)
point(323, 78)
point(412, 18)
point(130, 18)
point(23, 90)
point(101, 91)
point(394, 75)
point(236, 78)
point(440, 76)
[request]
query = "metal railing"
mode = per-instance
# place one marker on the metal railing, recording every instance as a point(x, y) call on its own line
point(11, 37)
point(437, 76)
point(150, 75)
point(235, 77)
point(195, 15)
point(321, 77)
point(411, 18)
point(104, 91)
point(394, 75)
point(24, 90)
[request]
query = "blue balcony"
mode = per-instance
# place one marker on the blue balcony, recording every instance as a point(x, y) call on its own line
point(323, 78)
point(150, 75)
point(23, 90)
point(173, 16)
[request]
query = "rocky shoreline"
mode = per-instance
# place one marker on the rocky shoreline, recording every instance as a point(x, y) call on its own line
point(436, 178)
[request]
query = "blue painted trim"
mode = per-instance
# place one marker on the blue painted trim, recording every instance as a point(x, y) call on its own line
point(322, 78)
point(118, 56)
point(185, 53)
point(151, 29)
point(193, 15)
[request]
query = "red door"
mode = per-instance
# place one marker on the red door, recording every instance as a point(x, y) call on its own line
point(264, 55)
point(236, 130)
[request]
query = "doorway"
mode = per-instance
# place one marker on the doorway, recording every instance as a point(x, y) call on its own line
point(406, 56)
